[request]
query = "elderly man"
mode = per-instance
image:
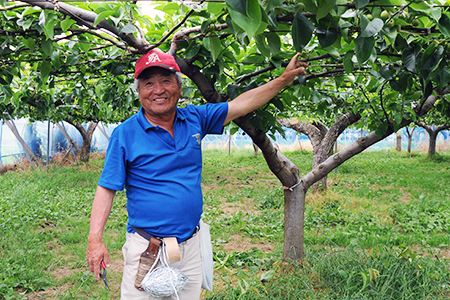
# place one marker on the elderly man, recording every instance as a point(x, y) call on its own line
point(156, 156)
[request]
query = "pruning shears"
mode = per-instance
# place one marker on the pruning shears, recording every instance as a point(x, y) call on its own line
point(103, 274)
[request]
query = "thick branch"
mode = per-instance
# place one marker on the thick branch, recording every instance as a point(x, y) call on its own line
point(87, 18)
point(360, 145)
point(282, 168)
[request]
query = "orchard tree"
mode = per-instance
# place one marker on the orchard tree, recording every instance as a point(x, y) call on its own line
point(389, 56)
point(434, 123)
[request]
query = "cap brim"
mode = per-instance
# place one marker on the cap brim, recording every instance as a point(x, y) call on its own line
point(155, 65)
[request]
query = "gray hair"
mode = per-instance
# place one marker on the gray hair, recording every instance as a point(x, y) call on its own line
point(177, 75)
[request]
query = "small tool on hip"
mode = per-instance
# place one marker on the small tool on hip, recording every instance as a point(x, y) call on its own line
point(103, 274)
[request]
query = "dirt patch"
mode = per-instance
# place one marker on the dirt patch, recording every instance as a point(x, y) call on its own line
point(239, 243)
point(48, 294)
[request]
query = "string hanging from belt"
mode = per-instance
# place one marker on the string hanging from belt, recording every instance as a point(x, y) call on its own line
point(163, 281)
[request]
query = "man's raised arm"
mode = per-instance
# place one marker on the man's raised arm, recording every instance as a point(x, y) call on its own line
point(257, 97)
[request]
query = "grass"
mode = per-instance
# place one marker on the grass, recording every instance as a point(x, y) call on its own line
point(381, 230)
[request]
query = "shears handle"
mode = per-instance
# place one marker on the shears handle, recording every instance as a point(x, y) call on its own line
point(103, 274)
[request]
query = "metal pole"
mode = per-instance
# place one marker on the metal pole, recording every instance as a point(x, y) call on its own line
point(229, 143)
point(1, 127)
point(48, 143)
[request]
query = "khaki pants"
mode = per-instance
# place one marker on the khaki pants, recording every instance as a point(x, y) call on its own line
point(190, 264)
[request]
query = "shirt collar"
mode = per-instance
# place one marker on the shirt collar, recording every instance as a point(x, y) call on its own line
point(145, 124)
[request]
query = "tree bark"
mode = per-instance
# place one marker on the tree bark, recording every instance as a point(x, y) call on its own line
point(322, 139)
point(361, 144)
point(398, 141)
point(433, 135)
point(294, 220)
point(71, 141)
point(87, 18)
point(85, 149)
point(410, 135)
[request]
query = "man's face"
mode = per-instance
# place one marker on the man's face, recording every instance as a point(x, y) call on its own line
point(159, 92)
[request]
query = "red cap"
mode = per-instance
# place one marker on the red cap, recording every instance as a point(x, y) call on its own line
point(155, 59)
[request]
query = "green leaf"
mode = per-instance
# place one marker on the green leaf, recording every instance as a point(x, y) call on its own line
point(215, 8)
point(205, 25)
point(233, 91)
point(47, 48)
point(422, 6)
point(443, 78)
point(364, 47)
point(348, 62)
point(327, 37)
point(192, 50)
point(66, 23)
point(45, 69)
point(249, 22)
point(427, 88)
point(444, 25)
point(215, 46)
point(72, 59)
point(381, 130)
point(386, 73)
point(430, 59)
point(55, 60)
point(276, 63)
point(239, 6)
point(409, 57)
point(302, 30)
point(274, 3)
point(324, 9)
point(302, 79)
point(262, 45)
point(129, 28)
point(361, 3)
point(29, 42)
point(102, 16)
point(274, 42)
point(373, 28)
point(84, 46)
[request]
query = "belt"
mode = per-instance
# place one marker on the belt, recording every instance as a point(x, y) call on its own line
point(147, 236)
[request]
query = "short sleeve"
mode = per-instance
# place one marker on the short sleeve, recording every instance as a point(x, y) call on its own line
point(114, 173)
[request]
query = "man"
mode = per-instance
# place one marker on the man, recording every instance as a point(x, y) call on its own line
point(156, 156)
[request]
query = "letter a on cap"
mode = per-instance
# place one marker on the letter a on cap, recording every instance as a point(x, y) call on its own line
point(152, 58)
point(155, 59)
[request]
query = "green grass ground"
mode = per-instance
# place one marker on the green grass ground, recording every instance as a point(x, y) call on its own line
point(381, 231)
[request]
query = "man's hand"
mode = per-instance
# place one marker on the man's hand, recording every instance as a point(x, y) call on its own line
point(257, 97)
point(96, 252)
point(293, 69)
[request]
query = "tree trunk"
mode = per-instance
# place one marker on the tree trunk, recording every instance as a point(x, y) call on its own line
point(410, 135)
point(433, 135)
point(294, 219)
point(24, 145)
point(71, 141)
point(85, 149)
point(398, 141)
point(255, 149)
point(432, 144)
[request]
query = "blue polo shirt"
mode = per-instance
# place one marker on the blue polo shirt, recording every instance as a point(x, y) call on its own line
point(162, 174)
